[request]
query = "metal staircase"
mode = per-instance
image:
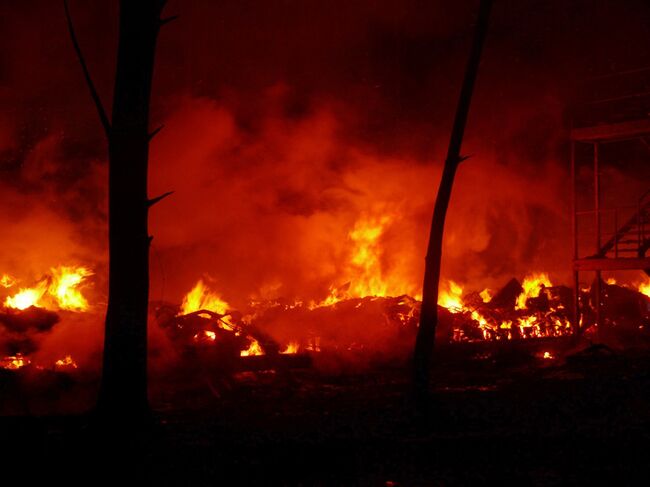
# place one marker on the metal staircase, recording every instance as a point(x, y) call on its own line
point(632, 238)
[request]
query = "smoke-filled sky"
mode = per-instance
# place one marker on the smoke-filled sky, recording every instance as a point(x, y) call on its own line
point(290, 123)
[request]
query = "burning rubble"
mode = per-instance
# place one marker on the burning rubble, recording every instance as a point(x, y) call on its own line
point(28, 313)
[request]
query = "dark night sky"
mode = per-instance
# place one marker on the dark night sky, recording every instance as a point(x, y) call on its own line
point(345, 86)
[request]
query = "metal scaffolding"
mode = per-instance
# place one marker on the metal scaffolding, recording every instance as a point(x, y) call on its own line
point(613, 108)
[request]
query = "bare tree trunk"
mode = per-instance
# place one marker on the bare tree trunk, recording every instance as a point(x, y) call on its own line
point(123, 392)
point(429, 313)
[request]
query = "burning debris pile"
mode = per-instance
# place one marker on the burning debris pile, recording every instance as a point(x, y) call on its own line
point(386, 325)
point(30, 312)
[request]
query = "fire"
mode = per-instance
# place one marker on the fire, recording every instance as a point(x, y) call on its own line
point(60, 290)
point(644, 288)
point(548, 356)
point(486, 295)
point(65, 362)
point(27, 297)
point(64, 287)
point(452, 298)
point(532, 287)
point(7, 281)
point(253, 349)
point(202, 298)
point(366, 257)
point(291, 348)
point(14, 362)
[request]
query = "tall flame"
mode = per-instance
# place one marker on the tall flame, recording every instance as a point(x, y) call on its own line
point(64, 287)
point(366, 257)
point(532, 287)
point(452, 297)
point(202, 298)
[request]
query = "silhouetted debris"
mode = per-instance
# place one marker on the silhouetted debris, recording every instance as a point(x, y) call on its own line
point(507, 295)
point(30, 319)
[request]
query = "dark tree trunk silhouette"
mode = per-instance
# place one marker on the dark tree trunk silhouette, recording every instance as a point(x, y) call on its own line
point(429, 313)
point(123, 392)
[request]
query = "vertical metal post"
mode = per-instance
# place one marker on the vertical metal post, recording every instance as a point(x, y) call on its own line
point(598, 243)
point(574, 230)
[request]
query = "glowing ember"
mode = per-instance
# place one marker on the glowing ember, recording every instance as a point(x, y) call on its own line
point(64, 287)
point(291, 348)
point(532, 286)
point(27, 297)
point(201, 298)
point(65, 362)
point(14, 362)
point(253, 349)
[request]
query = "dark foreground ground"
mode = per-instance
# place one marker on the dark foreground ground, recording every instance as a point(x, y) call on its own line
point(515, 420)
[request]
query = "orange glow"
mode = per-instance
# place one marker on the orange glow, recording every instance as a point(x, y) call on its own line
point(58, 291)
point(64, 287)
point(452, 297)
point(7, 281)
point(291, 348)
point(644, 288)
point(486, 295)
point(253, 349)
point(532, 287)
point(65, 362)
point(27, 297)
point(202, 298)
point(366, 257)
point(548, 356)
point(14, 362)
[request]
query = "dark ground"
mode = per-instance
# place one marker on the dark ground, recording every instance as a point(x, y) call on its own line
point(507, 420)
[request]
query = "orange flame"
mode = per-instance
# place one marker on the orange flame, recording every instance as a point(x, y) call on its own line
point(291, 348)
point(7, 281)
point(14, 362)
point(65, 362)
point(200, 297)
point(253, 349)
point(452, 297)
point(644, 288)
point(61, 288)
point(65, 281)
point(532, 287)
point(27, 297)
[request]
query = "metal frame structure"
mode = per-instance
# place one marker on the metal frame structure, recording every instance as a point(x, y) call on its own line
point(618, 110)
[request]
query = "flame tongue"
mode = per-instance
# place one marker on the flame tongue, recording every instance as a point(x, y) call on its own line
point(532, 286)
point(60, 290)
point(65, 281)
point(27, 297)
point(201, 298)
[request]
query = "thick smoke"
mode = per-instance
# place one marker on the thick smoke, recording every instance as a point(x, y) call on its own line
point(286, 126)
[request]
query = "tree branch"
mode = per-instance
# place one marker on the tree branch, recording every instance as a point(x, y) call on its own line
point(169, 19)
point(157, 199)
point(155, 132)
point(91, 86)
